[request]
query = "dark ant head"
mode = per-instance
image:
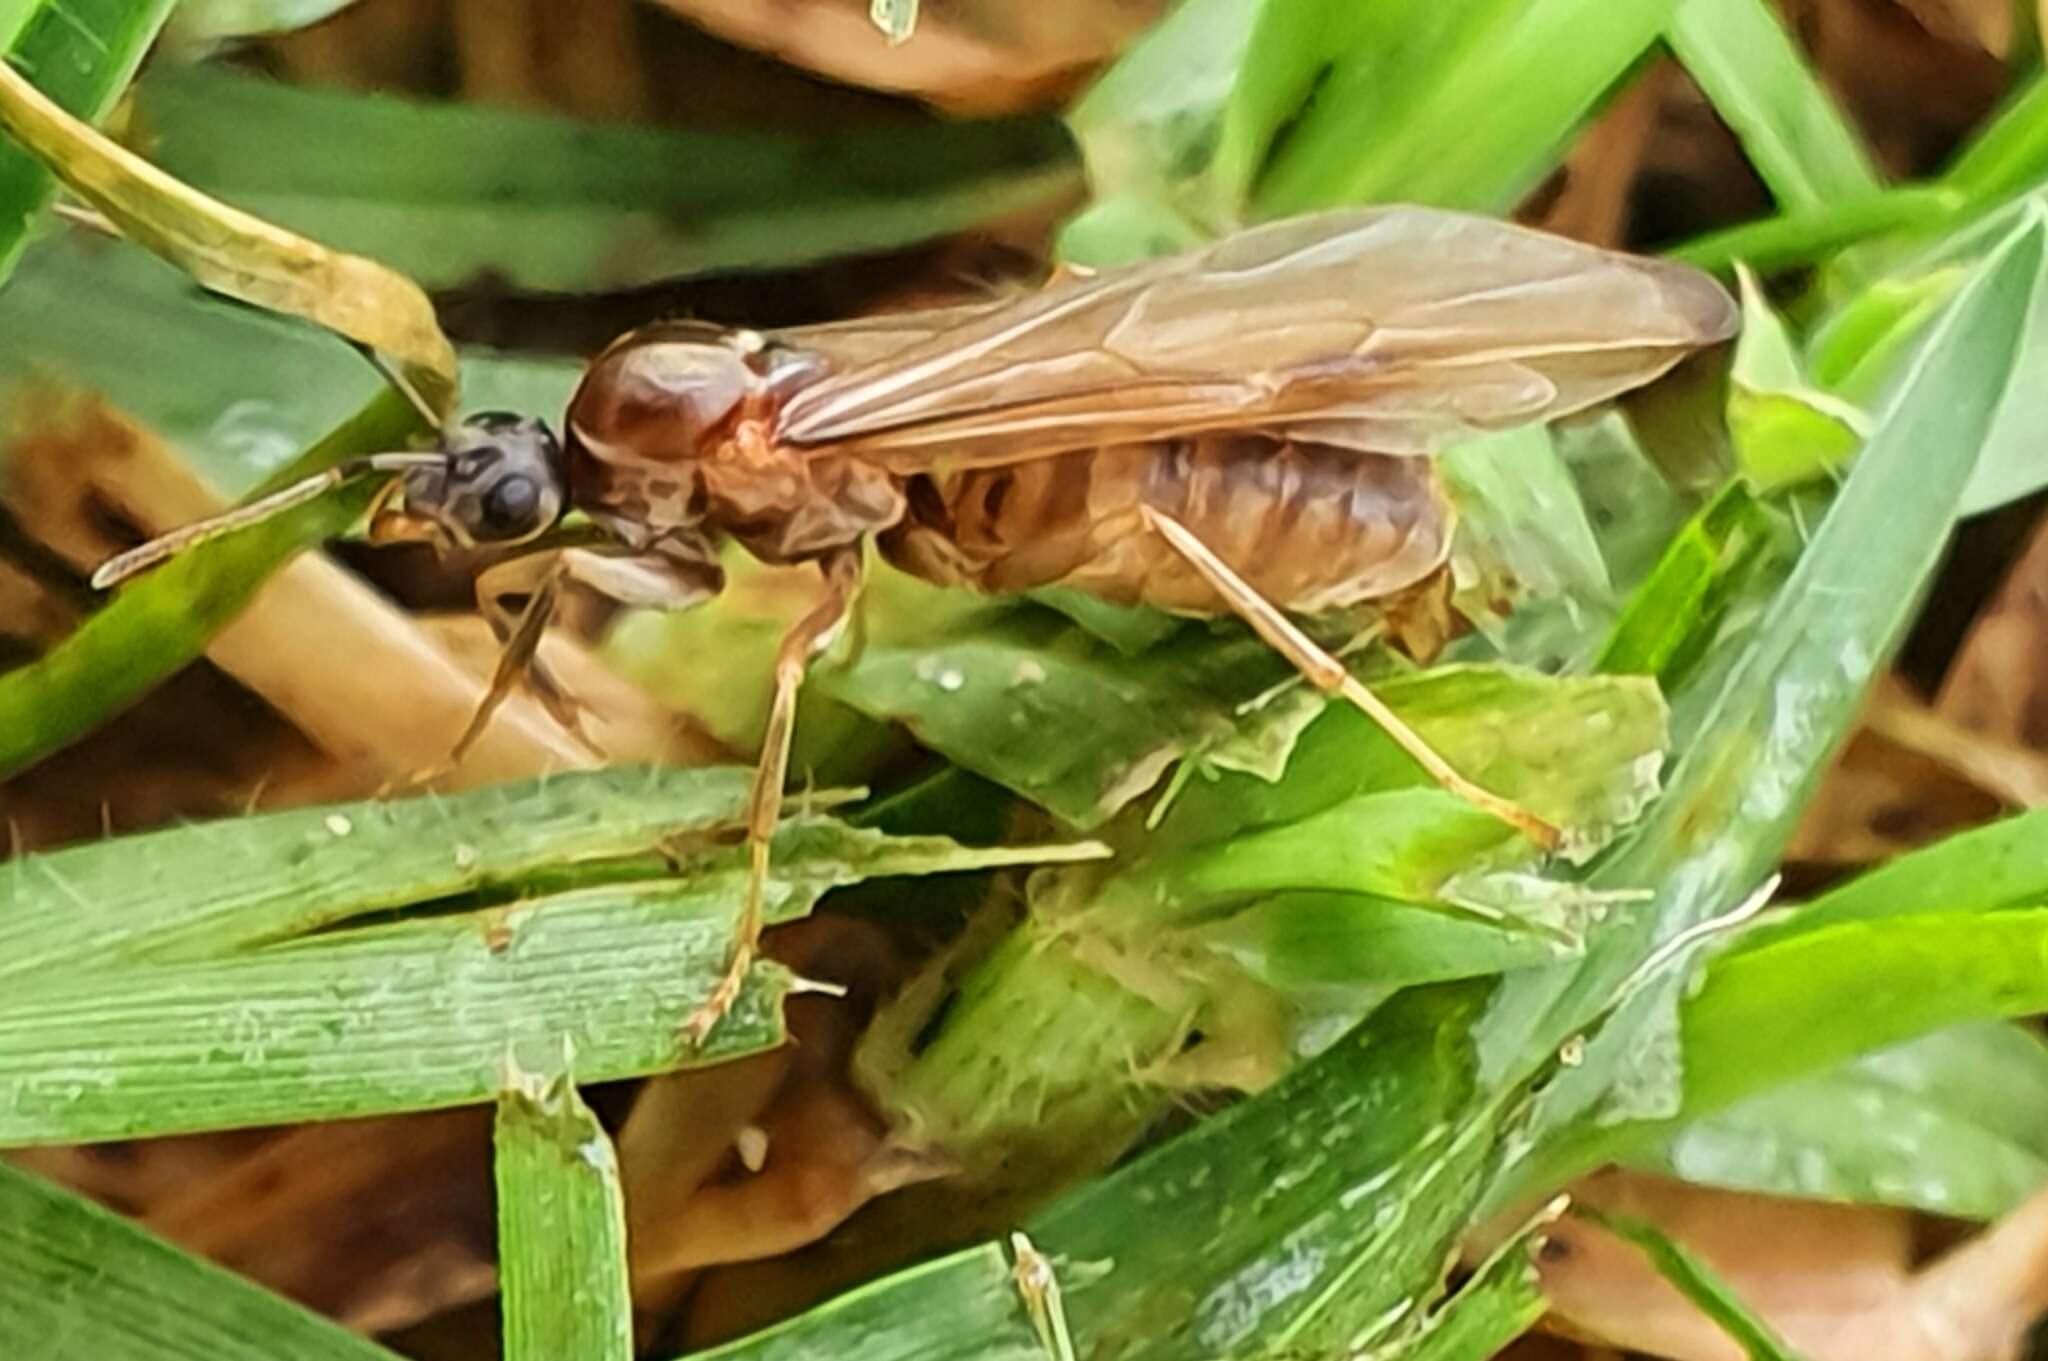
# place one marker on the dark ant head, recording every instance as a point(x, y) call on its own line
point(503, 481)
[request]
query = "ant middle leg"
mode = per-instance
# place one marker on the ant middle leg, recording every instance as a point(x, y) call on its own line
point(808, 637)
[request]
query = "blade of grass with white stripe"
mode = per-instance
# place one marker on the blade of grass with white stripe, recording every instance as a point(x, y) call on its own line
point(561, 1226)
point(1502, 1300)
point(1954, 1123)
point(79, 1283)
point(1753, 752)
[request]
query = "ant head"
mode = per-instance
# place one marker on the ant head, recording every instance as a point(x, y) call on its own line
point(503, 481)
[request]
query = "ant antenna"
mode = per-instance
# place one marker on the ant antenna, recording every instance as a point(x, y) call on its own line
point(140, 559)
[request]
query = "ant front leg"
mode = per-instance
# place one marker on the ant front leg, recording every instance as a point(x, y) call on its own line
point(808, 637)
point(667, 576)
point(1331, 677)
point(537, 577)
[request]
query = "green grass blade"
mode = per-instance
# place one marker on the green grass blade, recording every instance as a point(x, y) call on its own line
point(246, 994)
point(1473, 119)
point(1999, 865)
point(447, 192)
point(985, 691)
point(1229, 111)
point(219, 887)
point(1150, 127)
point(1803, 1006)
point(1809, 235)
point(1519, 512)
point(1786, 432)
point(1709, 566)
point(2009, 154)
point(164, 620)
point(1289, 53)
point(1216, 1252)
point(1779, 711)
point(1299, 942)
point(1033, 1063)
point(411, 1016)
point(81, 54)
point(1499, 1302)
point(1769, 1014)
point(79, 1283)
point(2011, 466)
point(1310, 1221)
point(1699, 1283)
point(419, 1013)
point(1389, 1127)
point(1301, 1222)
point(1954, 1124)
point(982, 691)
point(961, 1307)
point(561, 1227)
point(1856, 350)
point(1741, 56)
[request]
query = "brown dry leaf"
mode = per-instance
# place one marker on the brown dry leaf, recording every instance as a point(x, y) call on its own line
point(2005, 769)
point(1600, 170)
point(31, 612)
point(1882, 796)
point(234, 253)
point(1997, 686)
point(1805, 1267)
point(967, 56)
point(403, 1205)
point(372, 44)
point(135, 1176)
point(1913, 90)
point(581, 58)
point(751, 1162)
point(683, 1129)
point(1985, 23)
point(1832, 1280)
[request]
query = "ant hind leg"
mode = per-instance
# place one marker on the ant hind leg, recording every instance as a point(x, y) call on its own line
point(1331, 676)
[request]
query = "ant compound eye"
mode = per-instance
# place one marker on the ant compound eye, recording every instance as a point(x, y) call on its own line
point(511, 505)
